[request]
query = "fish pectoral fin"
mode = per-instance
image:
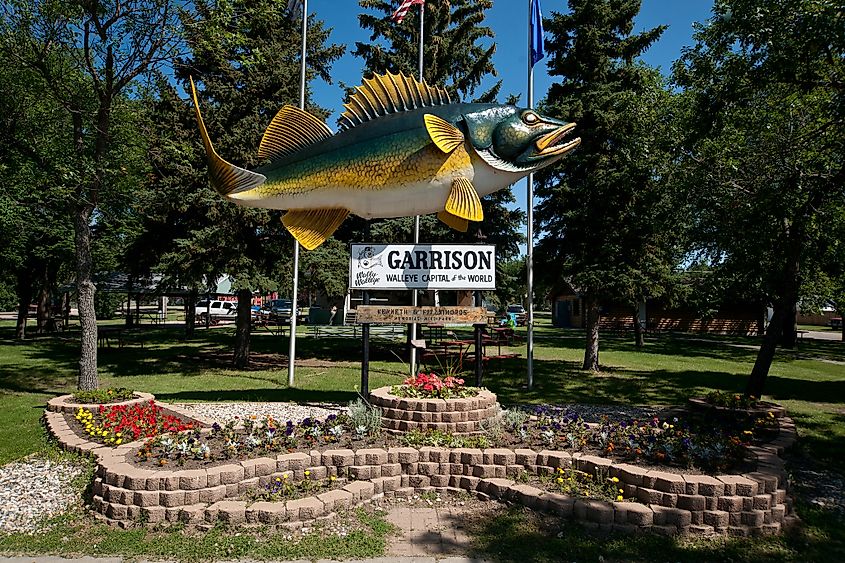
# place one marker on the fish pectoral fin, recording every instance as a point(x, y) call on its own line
point(463, 201)
point(446, 136)
point(311, 227)
point(291, 130)
point(455, 222)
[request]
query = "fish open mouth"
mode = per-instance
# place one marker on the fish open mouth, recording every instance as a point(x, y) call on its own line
point(554, 143)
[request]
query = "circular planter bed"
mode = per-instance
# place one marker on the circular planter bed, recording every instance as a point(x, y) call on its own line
point(758, 410)
point(464, 415)
point(66, 403)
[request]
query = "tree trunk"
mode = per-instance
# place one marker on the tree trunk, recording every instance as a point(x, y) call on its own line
point(757, 380)
point(789, 332)
point(24, 297)
point(43, 310)
point(591, 351)
point(85, 297)
point(190, 313)
point(639, 332)
point(241, 359)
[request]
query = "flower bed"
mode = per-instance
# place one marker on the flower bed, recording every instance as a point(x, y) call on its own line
point(455, 415)
point(285, 488)
point(67, 403)
point(673, 443)
point(678, 503)
point(431, 386)
point(104, 396)
point(735, 406)
point(116, 424)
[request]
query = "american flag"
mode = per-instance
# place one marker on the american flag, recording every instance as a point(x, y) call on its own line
point(402, 10)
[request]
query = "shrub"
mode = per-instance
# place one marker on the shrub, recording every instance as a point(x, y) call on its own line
point(366, 419)
point(104, 396)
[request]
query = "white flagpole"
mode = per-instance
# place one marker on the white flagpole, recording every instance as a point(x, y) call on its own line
point(530, 235)
point(415, 294)
point(294, 301)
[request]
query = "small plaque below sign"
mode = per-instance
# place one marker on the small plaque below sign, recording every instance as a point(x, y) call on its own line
point(388, 315)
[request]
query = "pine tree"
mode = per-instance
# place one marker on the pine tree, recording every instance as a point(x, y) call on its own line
point(453, 54)
point(454, 57)
point(604, 215)
point(244, 56)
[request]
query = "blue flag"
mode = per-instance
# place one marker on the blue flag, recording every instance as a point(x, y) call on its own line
point(536, 31)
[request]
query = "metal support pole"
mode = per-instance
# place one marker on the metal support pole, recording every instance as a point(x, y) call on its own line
point(530, 235)
point(294, 300)
point(415, 296)
point(365, 337)
point(479, 345)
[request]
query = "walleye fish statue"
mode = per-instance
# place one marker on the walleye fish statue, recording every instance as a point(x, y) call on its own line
point(404, 149)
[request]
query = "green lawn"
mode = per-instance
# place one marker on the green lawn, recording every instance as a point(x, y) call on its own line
point(809, 381)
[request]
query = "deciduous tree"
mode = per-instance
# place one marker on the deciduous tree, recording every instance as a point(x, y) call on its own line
point(765, 148)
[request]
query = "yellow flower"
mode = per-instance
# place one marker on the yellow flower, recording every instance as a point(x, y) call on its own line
point(332, 478)
point(559, 480)
point(307, 473)
point(621, 491)
point(285, 476)
point(619, 498)
point(118, 441)
point(615, 479)
point(119, 434)
point(278, 479)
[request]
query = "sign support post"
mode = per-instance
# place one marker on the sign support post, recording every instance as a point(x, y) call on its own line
point(365, 337)
point(415, 295)
point(479, 345)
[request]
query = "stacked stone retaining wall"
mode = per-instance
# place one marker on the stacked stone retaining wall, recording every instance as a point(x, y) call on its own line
point(668, 503)
point(465, 415)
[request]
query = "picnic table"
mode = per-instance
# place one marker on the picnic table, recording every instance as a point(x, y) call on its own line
point(274, 324)
point(118, 334)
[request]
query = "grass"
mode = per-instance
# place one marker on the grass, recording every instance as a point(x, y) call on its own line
point(76, 533)
point(809, 381)
point(517, 534)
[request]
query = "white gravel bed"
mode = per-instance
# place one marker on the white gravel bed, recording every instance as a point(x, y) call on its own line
point(32, 490)
point(221, 412)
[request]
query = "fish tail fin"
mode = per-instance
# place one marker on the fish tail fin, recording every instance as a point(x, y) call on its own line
point(225, 177)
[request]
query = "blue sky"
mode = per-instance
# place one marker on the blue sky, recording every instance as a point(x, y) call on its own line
point(509, 21)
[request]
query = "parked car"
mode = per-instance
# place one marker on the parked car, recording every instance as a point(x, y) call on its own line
point(216, 310)
point(280, 310)
point(519, 313)
point(836, 323)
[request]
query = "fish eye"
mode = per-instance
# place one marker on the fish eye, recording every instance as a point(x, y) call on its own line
point(530, 118)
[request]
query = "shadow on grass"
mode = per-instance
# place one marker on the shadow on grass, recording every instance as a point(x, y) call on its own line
point(558, 381)
point(517, 534)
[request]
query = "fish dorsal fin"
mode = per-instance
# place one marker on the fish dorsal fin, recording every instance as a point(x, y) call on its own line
point(446, 136)
point(291, 130)
point(384, 94)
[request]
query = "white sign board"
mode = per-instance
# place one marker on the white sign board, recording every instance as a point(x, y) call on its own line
point(423, 266)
